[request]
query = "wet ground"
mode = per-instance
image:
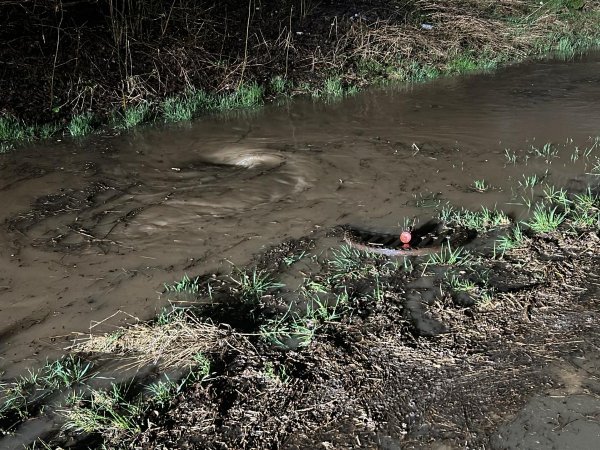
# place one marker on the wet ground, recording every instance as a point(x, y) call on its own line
point(98, 225)
point(384, 374)
point(567, 414)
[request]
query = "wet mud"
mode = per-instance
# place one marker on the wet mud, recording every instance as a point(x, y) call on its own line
point(96, 226)
point(390, 375)
point(567, 415)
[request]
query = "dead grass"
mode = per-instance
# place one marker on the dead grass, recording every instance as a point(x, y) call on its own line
point(458, 27)
point(170, 345)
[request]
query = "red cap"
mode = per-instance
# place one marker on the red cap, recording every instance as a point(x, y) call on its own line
point(405, 237)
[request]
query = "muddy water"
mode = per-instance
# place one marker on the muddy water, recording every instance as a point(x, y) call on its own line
point(95, 226)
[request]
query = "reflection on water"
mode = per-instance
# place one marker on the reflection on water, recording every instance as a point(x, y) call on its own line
point(97, 225)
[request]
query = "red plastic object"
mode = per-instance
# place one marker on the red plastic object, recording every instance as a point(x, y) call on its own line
point(405, 237)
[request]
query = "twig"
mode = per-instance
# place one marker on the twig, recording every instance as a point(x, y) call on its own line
point(246, 43)
point(62, 14)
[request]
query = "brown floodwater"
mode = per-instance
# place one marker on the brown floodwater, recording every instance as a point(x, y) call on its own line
point(98, 225)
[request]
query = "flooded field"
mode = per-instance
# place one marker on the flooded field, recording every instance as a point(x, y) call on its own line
point(99, 225)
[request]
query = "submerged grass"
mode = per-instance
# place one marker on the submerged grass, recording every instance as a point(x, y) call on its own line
point(531, 181)
point(480, 186)
point(185, 285)
point(481, 220)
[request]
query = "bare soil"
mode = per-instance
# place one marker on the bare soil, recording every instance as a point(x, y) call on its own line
point(376, 379)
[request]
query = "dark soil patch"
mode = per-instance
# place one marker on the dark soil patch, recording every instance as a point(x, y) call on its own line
point(86, 55)
point(369, 381)
point(58, 59)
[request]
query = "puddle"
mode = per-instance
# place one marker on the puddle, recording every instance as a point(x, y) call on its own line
point(425, 239)
point(99, 225)
point(561, 422)
point(567, 416)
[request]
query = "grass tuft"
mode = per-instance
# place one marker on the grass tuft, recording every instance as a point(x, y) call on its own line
point(531, 181)
point(14, 130)
point(511, 157)
point(246, 96)
point(333, 87)
point(483, 220)
point(67, 371)
point(186, 285)
point(462, 64)
point(545, 220)
point(557, 197)
point(80, 124)
point(459, 284)
point(347, 261)
point(289, 330)
point(511, 240)
point(585, 212)
point(253, 285)
point(135, 115)
point(547, 152)
point(5, 148)
point(480, 186)
point(176, 109)
point(279, 85)
point(104, 411)
point(449, 257)
point(48, 130)
point(163, 392)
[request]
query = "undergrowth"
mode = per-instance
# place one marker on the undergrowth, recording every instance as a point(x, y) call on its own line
point(363, 54)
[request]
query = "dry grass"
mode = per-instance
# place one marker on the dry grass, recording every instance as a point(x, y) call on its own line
point(458, 26)
point(387, 42)
point(168, 345)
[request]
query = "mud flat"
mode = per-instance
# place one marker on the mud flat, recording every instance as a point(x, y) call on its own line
point(317, 344)
point(200, 279)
